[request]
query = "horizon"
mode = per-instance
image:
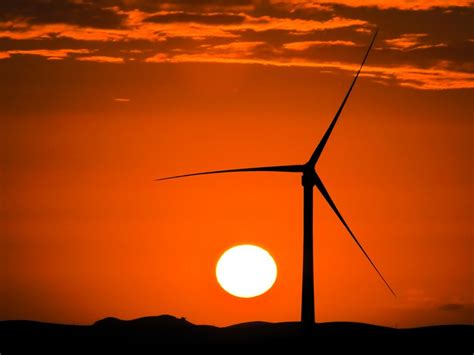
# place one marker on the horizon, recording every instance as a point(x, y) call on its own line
point(186, 320)
point(99, 99)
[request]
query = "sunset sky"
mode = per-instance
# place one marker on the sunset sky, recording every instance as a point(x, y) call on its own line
point(99, 98)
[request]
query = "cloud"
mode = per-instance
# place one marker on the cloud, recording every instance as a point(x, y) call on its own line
point(407, 40)
point(445, 24)
point(181, 5)
point(431, 78)
point(81, 13)
point(242, 5)
point(266, 23)
point(406, 76)
point(132, 51)
point(238, 46)
point(450, 307)
point(52, 54)
point(399, 4)
point(101, 59)
point(23, 31)
point(120, 99)
point(233, 50)
point(210, 19)
point(138, 27)
point(301, 46)
point(201, 26)
point(157, 58)
point(409, 51)
point(411, 41)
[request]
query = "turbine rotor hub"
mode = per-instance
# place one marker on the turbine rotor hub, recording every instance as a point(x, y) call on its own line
point(309, 177)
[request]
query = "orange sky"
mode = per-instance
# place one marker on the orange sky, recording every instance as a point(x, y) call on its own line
point(86, 233)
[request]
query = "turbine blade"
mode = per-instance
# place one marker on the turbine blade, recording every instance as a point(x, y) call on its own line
point(319, 149)
point(281, 169)
point(319, 184)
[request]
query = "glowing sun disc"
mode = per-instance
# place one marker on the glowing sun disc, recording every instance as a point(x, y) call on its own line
point(246, 271)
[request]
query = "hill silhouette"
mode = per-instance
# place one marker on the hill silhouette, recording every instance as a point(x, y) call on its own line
point(16, 335)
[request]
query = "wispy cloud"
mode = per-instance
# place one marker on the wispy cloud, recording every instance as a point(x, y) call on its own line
point(436, 78)
point(101, 59)
point(238, 46)
point(157, 58)
point(411, 41)
point(57, 31)
point(48, 53)
point(297, 25)
point(397, 4)
point(301, 46)
point(407, 40)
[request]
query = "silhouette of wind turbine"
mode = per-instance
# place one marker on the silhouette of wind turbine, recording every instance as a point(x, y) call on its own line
point(310, 179)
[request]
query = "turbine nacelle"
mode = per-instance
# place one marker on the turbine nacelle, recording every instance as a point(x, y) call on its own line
point(310, 176)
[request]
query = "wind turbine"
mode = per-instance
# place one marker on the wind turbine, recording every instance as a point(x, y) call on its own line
point(310, 179)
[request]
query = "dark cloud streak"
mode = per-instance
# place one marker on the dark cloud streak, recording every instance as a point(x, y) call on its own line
point(210, 19)
point(202, 6)
point(60, 11)
point(449, 24)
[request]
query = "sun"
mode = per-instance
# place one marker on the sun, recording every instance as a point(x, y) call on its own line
point(246, 271)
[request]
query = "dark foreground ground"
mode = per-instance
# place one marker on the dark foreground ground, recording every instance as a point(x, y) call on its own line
point(111, 333)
